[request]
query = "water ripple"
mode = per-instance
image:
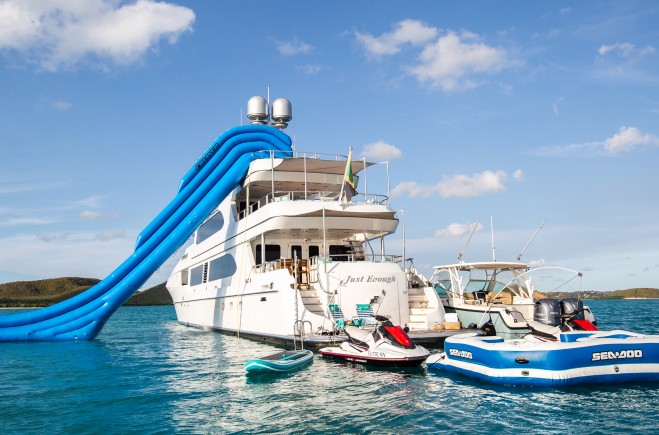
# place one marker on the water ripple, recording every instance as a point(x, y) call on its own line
point(147, 374)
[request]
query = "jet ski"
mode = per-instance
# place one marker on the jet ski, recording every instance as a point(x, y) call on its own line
point(385, 344)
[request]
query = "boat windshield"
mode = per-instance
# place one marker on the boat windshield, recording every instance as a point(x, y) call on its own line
point(443, 287)
point(480, 283)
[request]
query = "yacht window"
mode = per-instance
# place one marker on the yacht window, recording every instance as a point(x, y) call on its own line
point(210, 227)
point(222, 267)
point(296, 251)
point(338, 252)
point(197, 275)
point(184, 277)
point(314, 251)
point(272, 252)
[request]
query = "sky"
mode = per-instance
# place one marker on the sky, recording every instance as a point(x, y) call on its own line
point(497, 116)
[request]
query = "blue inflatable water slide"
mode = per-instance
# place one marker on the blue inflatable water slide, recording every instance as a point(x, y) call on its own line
point(213, 176)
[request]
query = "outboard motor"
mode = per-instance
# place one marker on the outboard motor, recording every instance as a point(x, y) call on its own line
point(572, 308)
point(573, 316)
point(548, 312)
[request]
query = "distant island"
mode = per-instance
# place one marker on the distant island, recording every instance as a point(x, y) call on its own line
point(45, 292)
point(632, 293)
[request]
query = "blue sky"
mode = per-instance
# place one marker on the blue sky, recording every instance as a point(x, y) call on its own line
point(509, 112)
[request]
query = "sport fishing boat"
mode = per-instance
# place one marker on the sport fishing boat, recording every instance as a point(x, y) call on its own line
point(384, 344)
point(297, 249)
point(496, 293)
point(576, 357)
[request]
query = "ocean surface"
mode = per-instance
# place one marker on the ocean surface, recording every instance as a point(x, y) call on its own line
point(145, 373)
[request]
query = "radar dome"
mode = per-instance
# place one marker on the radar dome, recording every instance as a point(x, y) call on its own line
point(257, 110)
point(282, 112)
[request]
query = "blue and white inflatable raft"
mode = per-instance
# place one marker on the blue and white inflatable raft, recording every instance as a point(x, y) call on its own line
point(576, 357)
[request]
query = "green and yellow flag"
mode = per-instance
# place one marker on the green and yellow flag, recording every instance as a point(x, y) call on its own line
point(349, 180)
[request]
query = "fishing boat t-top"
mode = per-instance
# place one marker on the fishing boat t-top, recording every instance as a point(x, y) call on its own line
point(496, 293)
point(298, 248)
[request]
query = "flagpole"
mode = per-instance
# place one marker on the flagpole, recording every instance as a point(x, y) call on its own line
point(345, 173)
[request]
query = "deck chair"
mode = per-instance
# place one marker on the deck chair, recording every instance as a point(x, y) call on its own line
point(337, 316)
point(365, 315)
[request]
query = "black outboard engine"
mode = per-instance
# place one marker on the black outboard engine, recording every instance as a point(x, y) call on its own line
point(572, 308)
point(548, 312)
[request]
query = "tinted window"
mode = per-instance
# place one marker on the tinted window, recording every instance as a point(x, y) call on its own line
point(338, 252)
point(272, 252)
point(197, 275)
point(222, 267)
point(210, 227)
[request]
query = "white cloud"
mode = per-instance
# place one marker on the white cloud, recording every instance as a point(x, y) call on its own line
point(555, 105)
point(453, 60)
point(291, 48)
point(63, 254)
point(458, 230)
point(627, 139)
point(96, 216)
point(310, 70)
point(60, 35)
point(56, 103)
point(457, 186)
point(12, 221)
point(14, 186)
point(408, 31)
point(91, 215)
point(449, 62)
point(110, 235)
point(53, 236)
point(381, 150)
point(626, 50)
point(537, 263)
point(518, 175)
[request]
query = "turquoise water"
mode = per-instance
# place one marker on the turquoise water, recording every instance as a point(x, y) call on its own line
point(145, 373)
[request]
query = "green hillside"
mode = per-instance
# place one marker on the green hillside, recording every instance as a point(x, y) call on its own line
point(157, 295)
point(644, 293)
point(47, 292)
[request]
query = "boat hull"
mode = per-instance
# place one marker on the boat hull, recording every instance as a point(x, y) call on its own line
point(377, 358)
point(578, 358)
point(280, 362)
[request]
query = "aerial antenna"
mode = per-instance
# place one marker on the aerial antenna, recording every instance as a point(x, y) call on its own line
point(519, 257)
point(473, 230)
point(494, 256)
point(268, 103)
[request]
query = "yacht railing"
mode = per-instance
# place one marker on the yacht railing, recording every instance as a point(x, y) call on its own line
point(315, 262)
point(281, 196)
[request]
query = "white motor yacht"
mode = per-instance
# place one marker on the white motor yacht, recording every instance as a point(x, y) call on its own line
point(297, 251)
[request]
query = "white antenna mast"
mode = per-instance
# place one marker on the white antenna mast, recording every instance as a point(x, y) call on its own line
point(519, 257)
point(268, 108)
point(494, 255)
point(473, 230)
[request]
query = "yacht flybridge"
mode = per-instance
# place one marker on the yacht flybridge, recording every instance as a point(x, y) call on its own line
point(297, 251)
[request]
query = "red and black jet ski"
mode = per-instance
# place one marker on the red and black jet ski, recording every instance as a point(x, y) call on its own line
point(385, 344)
